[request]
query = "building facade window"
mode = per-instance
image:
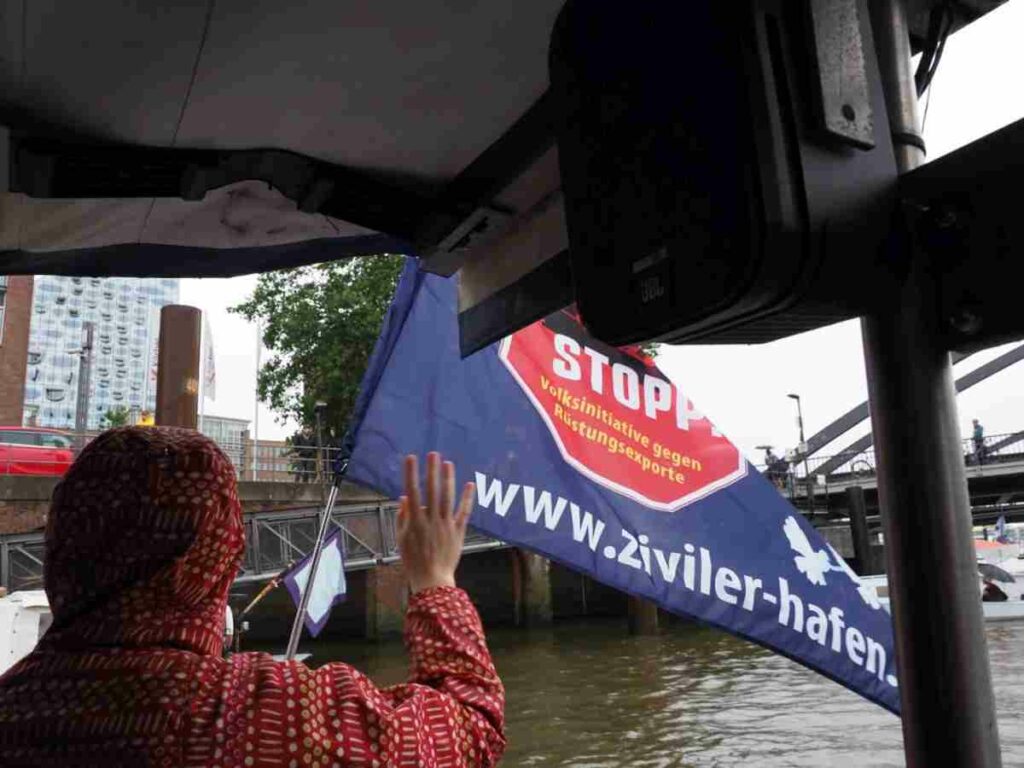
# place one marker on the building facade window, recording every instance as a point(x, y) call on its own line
point(122, 354)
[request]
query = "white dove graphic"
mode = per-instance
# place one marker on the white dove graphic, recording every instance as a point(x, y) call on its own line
point(867, 593)
point(813, 563)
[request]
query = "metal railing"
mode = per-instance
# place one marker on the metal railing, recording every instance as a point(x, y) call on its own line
point(273, 540)
point(368, 538)
point(282, 463)
point(994, 449)
point(21, 561)
point(266, 461)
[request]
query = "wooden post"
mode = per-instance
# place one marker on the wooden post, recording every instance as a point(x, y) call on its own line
point(177, 381)
point(859, 530)
point(643, 616)
point(531, 588)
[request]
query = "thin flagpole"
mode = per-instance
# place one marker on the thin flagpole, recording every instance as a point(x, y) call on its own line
point(300, 614)
point(202, 375)
point(256, 407)
point(267, 589)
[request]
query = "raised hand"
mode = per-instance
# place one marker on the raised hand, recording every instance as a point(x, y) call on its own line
point(431, 531)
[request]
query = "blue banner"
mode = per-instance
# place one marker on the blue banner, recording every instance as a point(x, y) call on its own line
point(590, 456)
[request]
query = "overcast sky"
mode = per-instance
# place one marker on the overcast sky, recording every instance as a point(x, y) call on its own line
point(743, 389)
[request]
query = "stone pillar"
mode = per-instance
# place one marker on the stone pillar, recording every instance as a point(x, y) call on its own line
point(643, 616)
point(387, 597)
point(177, 380)
point(532, 588)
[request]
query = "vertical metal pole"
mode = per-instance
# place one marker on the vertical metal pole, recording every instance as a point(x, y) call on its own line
point(84, 381)
point(318, 548)
point(5, 565)
point(945, 683)
point(803, 452)
point(252, 541)
point(203, 341)
point(807, 466)
point(320, 474)
point(256, 408)
point(385, 543)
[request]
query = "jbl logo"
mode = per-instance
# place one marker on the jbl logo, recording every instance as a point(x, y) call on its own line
point(651, 288)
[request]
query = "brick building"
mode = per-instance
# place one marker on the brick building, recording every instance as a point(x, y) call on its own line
point(15, 314)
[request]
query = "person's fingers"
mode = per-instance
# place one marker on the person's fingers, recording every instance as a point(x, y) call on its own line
point(412, 483)
point(465, 505)
point(433, 482)
point(403, 515)
point(447, 490)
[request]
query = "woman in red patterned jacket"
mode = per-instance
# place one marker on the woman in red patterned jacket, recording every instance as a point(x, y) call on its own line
point(143, 541)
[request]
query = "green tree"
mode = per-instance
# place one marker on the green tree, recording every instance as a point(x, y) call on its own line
point(320, 324)
point(118, 416)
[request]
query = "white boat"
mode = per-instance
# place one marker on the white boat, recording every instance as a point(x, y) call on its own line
point(1002, 579)
point(24, 617)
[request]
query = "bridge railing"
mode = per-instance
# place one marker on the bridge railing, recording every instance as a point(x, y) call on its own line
point(994, 449)
point(273, 540)
point(21, 561)
point(279, 462)
point(368, 537)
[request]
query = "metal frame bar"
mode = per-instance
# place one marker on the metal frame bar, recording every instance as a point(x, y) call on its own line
point(947, 705)
point(966, 381)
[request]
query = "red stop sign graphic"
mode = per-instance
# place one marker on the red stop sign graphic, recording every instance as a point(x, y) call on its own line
point(617, 419)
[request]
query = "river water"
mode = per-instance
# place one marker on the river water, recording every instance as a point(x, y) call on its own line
point(589, 695)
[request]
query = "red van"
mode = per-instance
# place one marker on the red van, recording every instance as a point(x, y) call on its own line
point(34, 451)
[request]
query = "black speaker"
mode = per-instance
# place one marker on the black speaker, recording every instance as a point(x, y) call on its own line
point(727, 167)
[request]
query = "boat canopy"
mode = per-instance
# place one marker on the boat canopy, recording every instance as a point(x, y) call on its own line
point(221, 137)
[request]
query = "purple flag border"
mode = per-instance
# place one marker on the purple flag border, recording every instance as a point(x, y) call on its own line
point(316, 627)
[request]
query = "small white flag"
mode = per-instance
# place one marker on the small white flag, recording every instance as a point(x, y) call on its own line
point(209, 362)
point(329, 587)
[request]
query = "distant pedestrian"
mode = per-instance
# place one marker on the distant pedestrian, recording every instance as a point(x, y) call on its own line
point(979, 442)
point(303, 456)
point(776, 469)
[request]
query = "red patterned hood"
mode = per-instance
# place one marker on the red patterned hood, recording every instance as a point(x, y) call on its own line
point(143, 542)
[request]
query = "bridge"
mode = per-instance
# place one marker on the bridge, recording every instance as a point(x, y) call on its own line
point(273, 540)
point(516, 587)
point(281, 519)
point(995, 481)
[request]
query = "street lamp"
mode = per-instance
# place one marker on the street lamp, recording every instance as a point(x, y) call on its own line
point(802, 449)
point(320, 409)
point(799, 420)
